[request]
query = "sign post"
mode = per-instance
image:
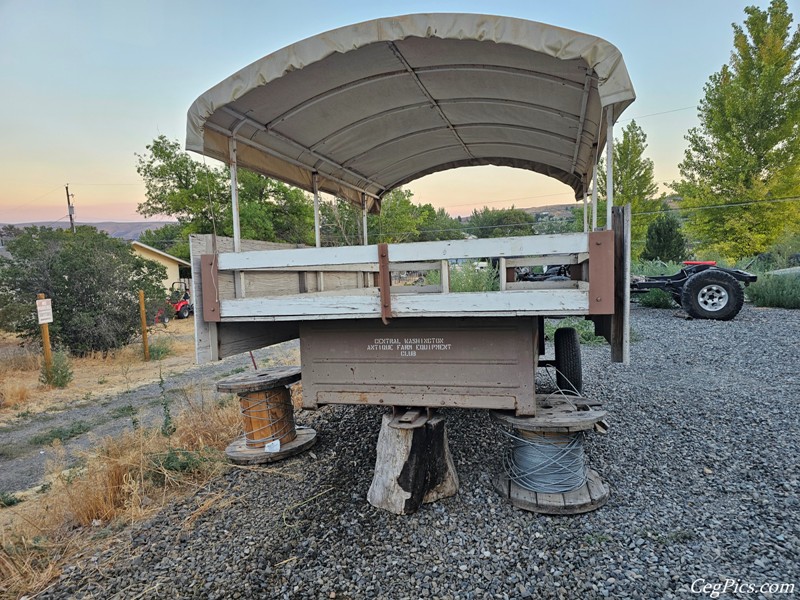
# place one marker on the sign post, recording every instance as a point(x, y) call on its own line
point(44, 308)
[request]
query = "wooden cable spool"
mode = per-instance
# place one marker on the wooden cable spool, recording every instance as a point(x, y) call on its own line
point(267, 416)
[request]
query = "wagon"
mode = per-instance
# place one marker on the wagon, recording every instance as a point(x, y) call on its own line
point(364, 109)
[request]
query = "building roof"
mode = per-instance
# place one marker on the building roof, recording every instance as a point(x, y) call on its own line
point(180, 261)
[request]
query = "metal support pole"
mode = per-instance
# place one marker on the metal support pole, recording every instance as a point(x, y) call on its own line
point(609, 166)
point(317, 238)
point(594, 199)
point(364, 217)
point(237, 232)
point(585, 216)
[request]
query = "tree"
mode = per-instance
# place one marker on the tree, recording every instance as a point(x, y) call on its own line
point(93, 280)
point(746, 152)
point(170, 238)
point(198, 196)
point(499, 222)
point(437, 225)
point(665, 240)
point(634, 182)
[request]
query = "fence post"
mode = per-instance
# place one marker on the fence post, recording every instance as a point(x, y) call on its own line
point(143, 314)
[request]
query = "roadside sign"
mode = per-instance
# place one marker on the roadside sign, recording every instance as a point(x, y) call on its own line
point(45, 310)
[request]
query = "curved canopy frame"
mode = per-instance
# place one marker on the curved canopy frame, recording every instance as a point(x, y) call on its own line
point(372, 106)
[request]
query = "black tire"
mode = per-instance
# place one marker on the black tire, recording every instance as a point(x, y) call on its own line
point(712, 294)
point(569, 373)
point(183, 313)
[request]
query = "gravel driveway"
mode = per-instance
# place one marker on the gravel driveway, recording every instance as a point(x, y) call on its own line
point(702, 459)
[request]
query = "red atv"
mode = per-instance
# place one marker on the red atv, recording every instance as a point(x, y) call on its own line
point(180, 300)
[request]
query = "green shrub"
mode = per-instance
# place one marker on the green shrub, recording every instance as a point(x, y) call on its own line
point(160, 348)
point(585, 329)
point(61, 372)
point(61, 433)
point(777, 291)
point(178, 461)
point(8, 499)
point(656, 299)
point(467, 277)
point(651, 268)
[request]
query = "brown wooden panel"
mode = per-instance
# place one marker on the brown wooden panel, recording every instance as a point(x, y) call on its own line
point(480, 363)
point(601, 272)
point(208, 275)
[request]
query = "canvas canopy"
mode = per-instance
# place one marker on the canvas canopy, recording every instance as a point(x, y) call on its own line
point(372, 106)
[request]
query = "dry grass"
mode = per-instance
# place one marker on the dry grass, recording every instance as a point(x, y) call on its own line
point(94, 375)
point(13, 394)
point(124, 479)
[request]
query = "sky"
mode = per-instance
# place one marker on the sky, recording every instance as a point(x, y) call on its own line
point(85, 85)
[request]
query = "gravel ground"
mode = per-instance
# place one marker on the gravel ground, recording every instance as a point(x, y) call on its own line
point(702, 459)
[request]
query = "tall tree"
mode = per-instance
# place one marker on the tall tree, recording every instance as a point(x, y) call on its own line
point(499, 222)
point(634, 182)
point(198, 196)
point(400, 220)
point(665, 240)
point(746, 152)
point(93, 280)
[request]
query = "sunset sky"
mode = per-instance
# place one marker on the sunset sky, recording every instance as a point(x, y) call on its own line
point(87, 84)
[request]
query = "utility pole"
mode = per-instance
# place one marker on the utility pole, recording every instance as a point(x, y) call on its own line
point(70, 208)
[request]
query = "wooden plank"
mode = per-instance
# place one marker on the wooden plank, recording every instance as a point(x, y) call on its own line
point(502, 270)
point(235, 338)
point(596, 488)
point(548, 285)
point(309, 307)
point(620, 321)
point(259, 381)
point(550, 259)
point(601, 272)
point(414, 252)
point(205, 333)
point(422, 399)
point(444, 278)
point(210, 288)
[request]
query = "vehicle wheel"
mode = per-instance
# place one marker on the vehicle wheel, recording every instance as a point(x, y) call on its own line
point(712, 294)
point(569, 374)
point(183, 312)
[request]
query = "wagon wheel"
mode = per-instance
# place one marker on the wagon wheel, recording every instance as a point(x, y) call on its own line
point(569, 373)
point(712, 294)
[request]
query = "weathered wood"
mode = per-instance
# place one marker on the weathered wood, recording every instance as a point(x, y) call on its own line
point(620, 329)
point(550, 259)
point(601, 272)
point(588, 497)
point(412, 467)
point(510, 303)
point(559, 244)
point(267, 417)
point(257, 381)
point(557, 418)
point(236, 337)
point(240, 454)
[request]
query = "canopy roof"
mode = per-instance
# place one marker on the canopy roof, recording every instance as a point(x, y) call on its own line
point(372, 106)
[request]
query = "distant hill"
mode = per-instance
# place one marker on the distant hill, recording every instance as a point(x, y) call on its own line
point(125, 231)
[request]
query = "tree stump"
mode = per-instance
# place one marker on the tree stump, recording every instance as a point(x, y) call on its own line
point(413, 465)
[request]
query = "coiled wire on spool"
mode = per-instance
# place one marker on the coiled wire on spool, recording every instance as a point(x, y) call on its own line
point(274, 414)
point(547, 463)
